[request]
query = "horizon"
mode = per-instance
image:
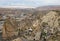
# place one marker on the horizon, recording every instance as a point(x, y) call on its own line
point(22, 6)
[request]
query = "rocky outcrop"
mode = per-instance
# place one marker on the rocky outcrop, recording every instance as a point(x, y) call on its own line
point(50, 26)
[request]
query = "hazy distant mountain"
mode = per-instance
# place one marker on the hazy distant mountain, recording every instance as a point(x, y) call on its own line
point(51, 7)
point(21, 7)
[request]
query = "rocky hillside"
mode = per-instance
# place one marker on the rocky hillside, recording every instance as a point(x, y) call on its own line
point(31, 24)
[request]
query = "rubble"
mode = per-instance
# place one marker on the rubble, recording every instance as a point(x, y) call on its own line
point(18, 39)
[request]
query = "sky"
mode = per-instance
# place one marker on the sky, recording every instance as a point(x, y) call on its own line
point(29, 3)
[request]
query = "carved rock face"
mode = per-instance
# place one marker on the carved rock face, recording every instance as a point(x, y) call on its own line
point(52, 21)
point(49, 18)
point(9, 29)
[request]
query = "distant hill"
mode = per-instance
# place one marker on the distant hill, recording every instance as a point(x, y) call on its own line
point(51, 7)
